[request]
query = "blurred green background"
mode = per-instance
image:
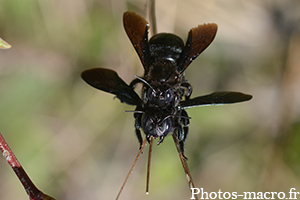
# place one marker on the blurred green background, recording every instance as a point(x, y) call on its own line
point(77, 143)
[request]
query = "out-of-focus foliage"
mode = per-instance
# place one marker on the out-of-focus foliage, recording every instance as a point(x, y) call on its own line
point(76, 143)
point(4, 45)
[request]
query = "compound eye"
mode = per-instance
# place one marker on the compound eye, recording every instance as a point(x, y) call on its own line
point(168, 96)
point(151, 94)
point(164, 127)
point(147, 123)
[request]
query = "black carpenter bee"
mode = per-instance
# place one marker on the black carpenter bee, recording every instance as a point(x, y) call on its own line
point(160, 111)
point(165, 93)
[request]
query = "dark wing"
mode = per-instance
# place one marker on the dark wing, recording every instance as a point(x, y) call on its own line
point(216, 98)
point(198, 40)
point(136, 28)
point(108, 80)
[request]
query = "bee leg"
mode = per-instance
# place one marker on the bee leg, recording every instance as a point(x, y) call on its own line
point(185, 122)
point(180, 138)
point(161, 139)
point(176, 101)
point(188, 90)
point(148, 138)
point(184, 131)
point(137, 126)
point(181, 144)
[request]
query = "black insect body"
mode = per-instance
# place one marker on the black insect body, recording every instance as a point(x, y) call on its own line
point(165, 92)
point(164, 58)
point(166, 85)
point(158, 123)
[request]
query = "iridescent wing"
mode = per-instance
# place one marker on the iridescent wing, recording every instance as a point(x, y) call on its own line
point(199, 39)
point(136, 28)
point(216, 98)
point(108, 81)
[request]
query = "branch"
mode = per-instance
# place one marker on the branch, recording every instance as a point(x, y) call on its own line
point(33, 192)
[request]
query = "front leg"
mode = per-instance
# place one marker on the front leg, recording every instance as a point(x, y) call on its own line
point(137, 126)
point(180, 136)
point(183, 132)
point(188, 90)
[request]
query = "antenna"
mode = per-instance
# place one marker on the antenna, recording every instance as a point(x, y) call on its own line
point(178, 84)
point(144, 81)
point(134, 111)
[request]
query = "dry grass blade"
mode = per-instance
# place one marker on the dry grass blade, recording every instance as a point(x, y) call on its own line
point(184, 164)
point(131, 169)
point(148, 166)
